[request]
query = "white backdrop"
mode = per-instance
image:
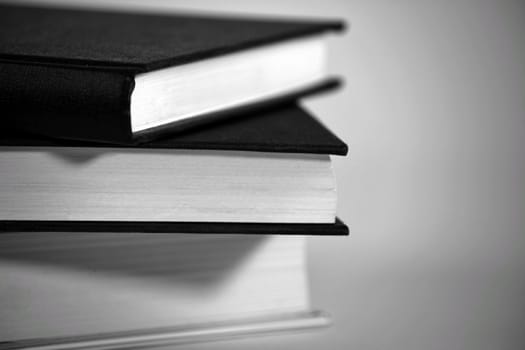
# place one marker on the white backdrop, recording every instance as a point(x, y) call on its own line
point(434, 188)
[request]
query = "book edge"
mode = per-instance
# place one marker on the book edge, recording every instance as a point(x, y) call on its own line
point(180, 335)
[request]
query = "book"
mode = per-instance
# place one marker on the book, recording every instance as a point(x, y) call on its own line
point(266, 173)
point(126, 78)
point(113, 290)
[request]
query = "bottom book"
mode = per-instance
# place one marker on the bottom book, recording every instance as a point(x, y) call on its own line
point(119, 290)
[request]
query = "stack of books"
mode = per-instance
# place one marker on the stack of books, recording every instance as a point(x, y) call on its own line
point(157, 176)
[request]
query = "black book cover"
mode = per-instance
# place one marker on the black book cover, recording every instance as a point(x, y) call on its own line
point(287, 129)
point(336, 229)
point(69, 73)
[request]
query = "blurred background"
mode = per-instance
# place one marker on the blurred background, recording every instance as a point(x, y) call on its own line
point(433, 190)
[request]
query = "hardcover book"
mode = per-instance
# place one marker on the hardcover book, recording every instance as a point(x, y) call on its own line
point(267, 173)
point(126, 77)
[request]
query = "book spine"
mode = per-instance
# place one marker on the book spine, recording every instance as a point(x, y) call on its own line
point(66, 102)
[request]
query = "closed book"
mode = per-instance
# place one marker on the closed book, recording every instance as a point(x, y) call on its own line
point(121, 291)
point(267, 173)
point(126, 78)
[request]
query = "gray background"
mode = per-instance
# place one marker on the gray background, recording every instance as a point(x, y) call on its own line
point(434, 113)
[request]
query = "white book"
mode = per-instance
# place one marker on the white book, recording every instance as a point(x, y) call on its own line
point(111, 290)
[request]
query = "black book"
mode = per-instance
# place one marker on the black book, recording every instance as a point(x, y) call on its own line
point(127, 78)
point(266, 173)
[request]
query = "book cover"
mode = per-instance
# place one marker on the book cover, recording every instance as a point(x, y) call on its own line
point(289, 129)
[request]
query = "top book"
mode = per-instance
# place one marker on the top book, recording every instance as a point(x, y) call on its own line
point(125, 78)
